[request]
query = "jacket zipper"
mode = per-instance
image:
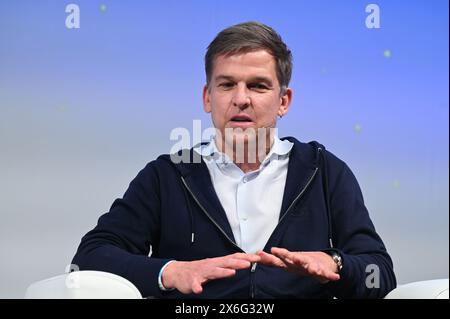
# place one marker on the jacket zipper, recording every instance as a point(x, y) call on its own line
point(209, 216)
point(252, 280)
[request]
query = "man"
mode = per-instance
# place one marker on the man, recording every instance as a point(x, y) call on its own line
point(282, 219)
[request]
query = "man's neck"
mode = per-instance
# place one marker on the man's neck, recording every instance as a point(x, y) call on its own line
point(248, 167)
point(249, 159)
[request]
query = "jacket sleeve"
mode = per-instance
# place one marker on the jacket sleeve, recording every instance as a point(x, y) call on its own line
point(120, 243)
point(368, 269)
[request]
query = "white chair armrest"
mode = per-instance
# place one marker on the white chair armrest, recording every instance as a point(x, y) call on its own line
point(83, 285)
point(428, 289)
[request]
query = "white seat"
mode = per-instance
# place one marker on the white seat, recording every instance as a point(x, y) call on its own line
point(428, 289)
point(83, 285)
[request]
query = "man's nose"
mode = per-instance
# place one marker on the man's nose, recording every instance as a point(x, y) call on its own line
point(241, 97)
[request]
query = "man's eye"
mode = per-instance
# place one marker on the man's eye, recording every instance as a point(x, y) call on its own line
point(259, 86)
point(226, 85)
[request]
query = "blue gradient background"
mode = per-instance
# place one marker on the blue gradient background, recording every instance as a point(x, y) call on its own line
point(83, 110)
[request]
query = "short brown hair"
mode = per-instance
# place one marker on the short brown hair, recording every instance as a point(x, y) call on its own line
point(247, 37)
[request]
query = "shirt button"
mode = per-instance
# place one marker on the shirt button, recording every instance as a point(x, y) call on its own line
point(244, 218)
point(245, 180)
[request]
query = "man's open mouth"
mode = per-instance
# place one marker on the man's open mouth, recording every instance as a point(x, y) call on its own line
point(241, 118)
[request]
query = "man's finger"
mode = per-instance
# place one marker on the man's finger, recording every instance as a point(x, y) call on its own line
point(293, 258)
point(285, 259)
point(282, 253)
point(295, 262)
point(333, 276)
point(197, 287)
point(218, 272)
point(302, 260)
point(233, 263)
point(271, 260)
point(253, 258)
point(324, 273)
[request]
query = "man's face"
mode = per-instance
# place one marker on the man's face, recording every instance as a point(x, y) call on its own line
point(244, 92)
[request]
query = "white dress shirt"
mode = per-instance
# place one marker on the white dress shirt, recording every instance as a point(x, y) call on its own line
point(252, 201)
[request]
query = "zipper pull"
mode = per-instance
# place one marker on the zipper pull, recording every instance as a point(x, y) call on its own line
point(252, 283)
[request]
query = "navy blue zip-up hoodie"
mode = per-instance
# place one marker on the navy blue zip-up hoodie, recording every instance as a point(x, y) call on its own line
point(174, 209)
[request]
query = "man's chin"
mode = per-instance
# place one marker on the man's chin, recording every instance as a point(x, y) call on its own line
point(237, 136)
point(238, 130)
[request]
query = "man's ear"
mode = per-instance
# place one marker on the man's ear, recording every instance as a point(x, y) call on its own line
point(206, 99)
point(285, 102)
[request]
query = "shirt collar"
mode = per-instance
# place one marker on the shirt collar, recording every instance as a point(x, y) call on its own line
point(279, 148)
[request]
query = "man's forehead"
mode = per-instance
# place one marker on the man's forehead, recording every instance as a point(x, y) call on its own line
point(261, 62)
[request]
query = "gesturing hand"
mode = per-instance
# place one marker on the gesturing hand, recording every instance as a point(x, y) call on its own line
point(189, 276)
point(316, 264)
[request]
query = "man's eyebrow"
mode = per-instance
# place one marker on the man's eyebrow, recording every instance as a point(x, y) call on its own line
point(224, 77)
point(254, 79)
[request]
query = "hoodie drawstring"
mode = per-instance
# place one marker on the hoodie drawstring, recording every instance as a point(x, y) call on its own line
point(326, 193)
point(188, 203)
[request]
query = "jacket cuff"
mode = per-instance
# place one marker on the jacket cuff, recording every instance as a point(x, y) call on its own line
point(144, 276)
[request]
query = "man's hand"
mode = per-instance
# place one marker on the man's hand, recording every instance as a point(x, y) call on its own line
point(189, 276)
point(316, 264)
